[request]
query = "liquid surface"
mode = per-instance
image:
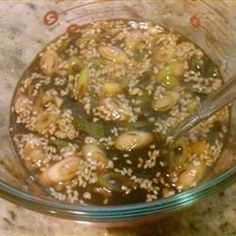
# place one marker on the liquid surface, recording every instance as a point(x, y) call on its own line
point(91, 114)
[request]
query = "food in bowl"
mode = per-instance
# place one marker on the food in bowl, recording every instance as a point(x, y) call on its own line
point(91, 115)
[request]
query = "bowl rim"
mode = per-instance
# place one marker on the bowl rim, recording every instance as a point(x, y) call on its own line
point(116, 213)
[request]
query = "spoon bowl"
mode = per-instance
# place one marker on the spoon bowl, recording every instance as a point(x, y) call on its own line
point(205, 109)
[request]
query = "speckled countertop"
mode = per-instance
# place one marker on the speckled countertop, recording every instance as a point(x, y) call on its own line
point(215, 216)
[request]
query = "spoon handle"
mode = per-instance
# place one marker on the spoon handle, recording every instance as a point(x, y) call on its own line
point(209, 106)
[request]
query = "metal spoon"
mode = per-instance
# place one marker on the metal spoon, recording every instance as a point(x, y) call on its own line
point(206, 108)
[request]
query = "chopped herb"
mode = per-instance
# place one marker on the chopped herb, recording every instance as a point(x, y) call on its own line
point(59, 143)
point(94, 129)
point(139, 56)
point(139, 125)
point(97, 62)
point(197, 64)
point(125, 82)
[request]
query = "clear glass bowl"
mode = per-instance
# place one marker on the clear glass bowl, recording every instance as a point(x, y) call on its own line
point(27, 26)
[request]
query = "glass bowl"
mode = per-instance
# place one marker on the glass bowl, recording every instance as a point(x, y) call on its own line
point(27, 26)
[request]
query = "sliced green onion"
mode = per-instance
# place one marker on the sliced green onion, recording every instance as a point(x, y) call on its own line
point(81, 82)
